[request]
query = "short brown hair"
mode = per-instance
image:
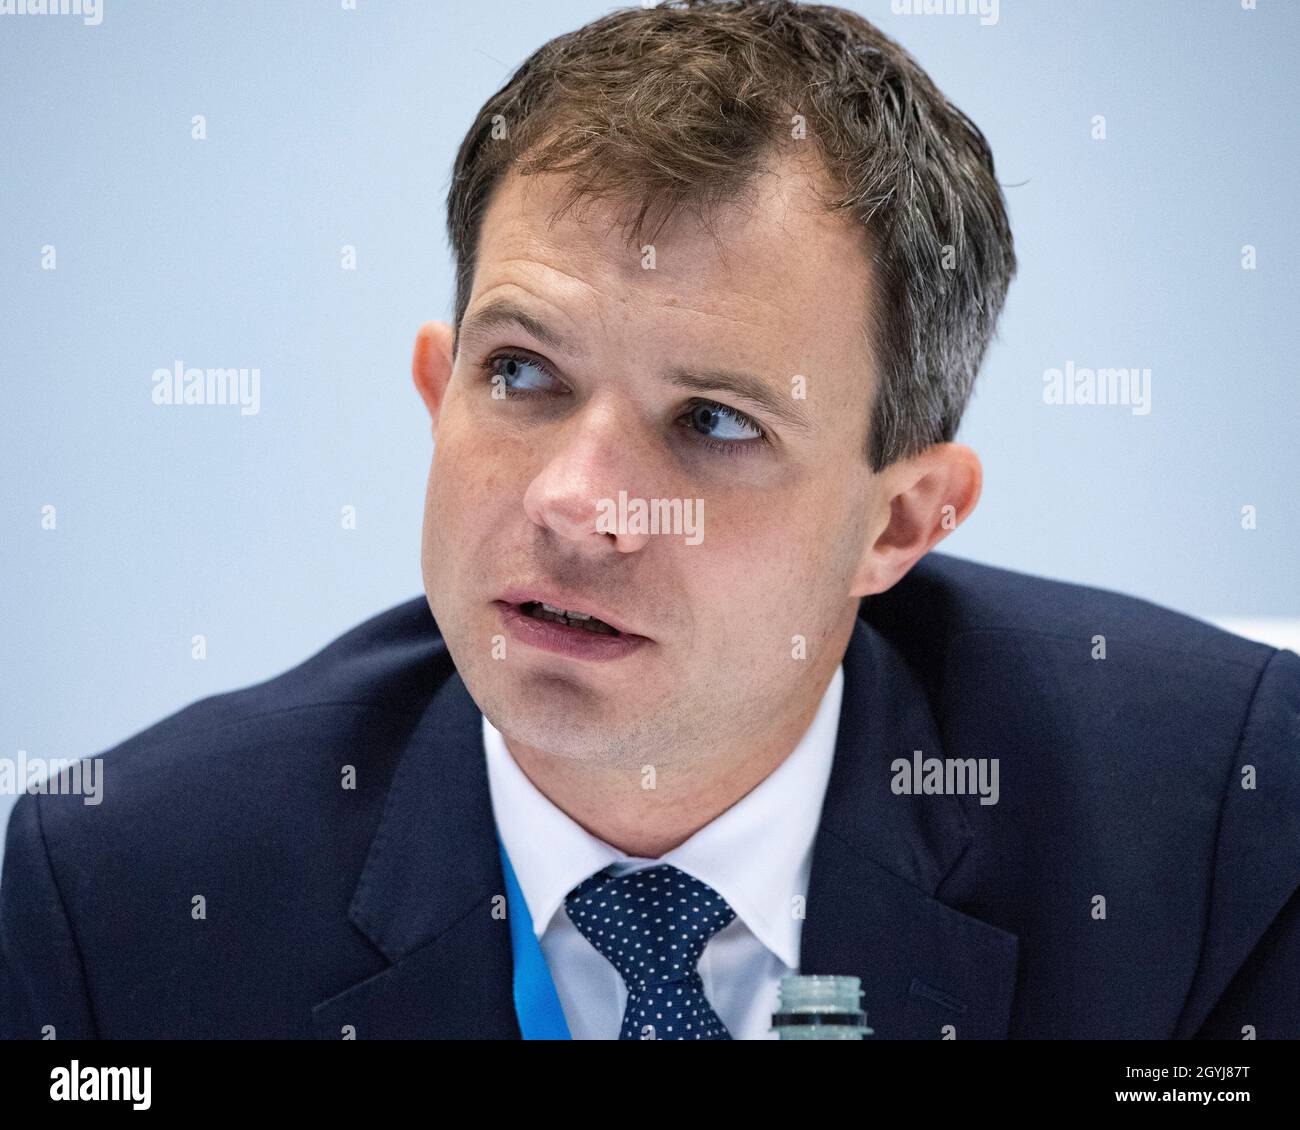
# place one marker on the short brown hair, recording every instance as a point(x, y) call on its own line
point(679, 105)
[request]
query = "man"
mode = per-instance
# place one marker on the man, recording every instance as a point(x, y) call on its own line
point(690, 706)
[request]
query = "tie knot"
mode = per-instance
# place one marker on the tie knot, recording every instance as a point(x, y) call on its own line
point(651, 925)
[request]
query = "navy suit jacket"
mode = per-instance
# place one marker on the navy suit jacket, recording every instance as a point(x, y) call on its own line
point(332, 910)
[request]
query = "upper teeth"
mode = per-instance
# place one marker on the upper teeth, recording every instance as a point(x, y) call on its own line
point(566, 612)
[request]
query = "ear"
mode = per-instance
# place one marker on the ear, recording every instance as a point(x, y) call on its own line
point(919, 502)
point(431, 366)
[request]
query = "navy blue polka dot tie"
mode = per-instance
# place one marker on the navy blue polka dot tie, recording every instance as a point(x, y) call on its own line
point(652, 926)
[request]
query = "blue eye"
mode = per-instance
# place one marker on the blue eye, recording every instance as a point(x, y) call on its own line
point(720, 423)
point(511, 371)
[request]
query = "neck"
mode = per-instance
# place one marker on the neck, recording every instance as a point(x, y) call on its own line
point(612, 802)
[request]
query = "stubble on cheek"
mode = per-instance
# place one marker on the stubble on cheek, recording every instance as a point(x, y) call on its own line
point(436, 563)
point(464, 511)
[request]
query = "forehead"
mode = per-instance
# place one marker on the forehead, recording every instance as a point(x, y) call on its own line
point(772, 266)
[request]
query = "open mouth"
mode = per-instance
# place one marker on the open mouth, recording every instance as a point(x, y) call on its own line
point(568, 617)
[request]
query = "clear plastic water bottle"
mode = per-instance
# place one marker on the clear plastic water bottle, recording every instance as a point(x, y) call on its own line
point(816, 1007)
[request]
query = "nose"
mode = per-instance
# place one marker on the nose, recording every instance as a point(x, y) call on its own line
point(592, 456)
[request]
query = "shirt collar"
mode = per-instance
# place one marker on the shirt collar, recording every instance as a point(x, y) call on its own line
point(757, 854)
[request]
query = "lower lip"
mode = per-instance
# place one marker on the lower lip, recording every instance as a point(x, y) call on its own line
point(576, 643)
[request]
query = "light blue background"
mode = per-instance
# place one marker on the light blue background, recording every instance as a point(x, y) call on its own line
point(329, 127)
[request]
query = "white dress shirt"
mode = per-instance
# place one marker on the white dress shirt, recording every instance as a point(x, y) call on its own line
point(757, 855)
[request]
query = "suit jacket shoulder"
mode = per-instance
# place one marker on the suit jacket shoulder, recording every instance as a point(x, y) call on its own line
point(230, 833)
point(1147, 759)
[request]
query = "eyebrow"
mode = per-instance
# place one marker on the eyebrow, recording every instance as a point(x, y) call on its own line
point(503, 312)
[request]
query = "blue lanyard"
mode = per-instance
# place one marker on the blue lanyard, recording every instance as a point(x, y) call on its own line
point(537, 1004)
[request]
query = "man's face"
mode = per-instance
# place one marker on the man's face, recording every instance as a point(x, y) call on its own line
point(729, 626)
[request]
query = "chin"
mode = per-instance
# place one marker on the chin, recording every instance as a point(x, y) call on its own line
point(552, 732)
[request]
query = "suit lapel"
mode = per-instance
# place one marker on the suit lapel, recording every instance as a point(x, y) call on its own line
point(879, 859)
point(425, 896)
